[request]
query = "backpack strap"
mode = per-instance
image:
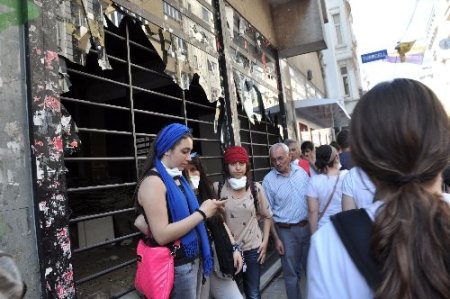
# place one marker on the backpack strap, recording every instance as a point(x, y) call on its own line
point(219, 188)
point(354, 228)
point(254, 194)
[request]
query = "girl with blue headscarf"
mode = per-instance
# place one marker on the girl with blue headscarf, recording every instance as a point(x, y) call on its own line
point(171, 208)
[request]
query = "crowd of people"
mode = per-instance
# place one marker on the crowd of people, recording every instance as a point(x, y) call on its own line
point(384, 176)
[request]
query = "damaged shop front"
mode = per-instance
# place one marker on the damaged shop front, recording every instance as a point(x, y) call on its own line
point(103, 77)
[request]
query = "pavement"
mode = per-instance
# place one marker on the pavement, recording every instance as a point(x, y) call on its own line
point(272, 284)
point(275, 289)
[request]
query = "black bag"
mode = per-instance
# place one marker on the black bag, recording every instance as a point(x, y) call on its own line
point(354, 228)
point(222, 244)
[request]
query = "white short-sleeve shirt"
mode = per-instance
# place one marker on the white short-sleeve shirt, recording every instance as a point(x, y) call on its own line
point(331, 271)
point(358, 186)
point(320, 187)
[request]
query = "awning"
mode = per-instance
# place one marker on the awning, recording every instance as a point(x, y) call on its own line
point(324, 113)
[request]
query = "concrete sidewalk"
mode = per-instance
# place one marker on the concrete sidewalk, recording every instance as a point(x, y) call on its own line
point(276, 288)
point(272, 284)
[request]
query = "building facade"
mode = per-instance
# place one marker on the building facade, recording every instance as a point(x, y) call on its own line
point(436, 65)
point(340, 60)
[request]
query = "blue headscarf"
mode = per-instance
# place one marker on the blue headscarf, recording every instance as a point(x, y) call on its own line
point(182, 205)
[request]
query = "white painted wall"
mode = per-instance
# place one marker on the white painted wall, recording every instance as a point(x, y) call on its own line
point(339, 55)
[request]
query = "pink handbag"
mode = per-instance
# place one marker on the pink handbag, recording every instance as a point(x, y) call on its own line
point(155, 270)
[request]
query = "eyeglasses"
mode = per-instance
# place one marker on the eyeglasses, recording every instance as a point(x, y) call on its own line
point(194, 155)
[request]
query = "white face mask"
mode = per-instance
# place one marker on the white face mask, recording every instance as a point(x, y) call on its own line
point(339, 165)
point(195, 181)
point(237, 184)
point(173, 172)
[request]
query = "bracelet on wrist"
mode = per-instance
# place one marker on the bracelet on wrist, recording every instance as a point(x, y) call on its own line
point(202, 213)
point(236, 247)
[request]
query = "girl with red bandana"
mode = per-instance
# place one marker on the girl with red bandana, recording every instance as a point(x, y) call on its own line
point(246, 203)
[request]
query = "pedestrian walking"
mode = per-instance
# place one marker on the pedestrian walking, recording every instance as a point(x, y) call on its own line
point(399, 246)
point(294, 150)
point(343, 140)
point(358, 191)
point(246, 202)
point(324, 192)
point(228, 260)
point(308, 158)
point(285, 186)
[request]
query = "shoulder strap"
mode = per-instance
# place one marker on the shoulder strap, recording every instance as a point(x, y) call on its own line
point(329, 198)
point(354, 228)
point(255, 195)
point(219, 188)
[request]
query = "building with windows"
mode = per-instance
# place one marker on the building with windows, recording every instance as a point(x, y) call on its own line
point(85, 87)
point(340, 59)
point(321, 88)
point(436, 62)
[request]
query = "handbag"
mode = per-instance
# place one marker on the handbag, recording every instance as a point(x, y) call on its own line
point(222, 244)
point(155, 271)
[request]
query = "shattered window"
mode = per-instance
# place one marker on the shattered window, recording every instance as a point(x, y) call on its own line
point(118, 112)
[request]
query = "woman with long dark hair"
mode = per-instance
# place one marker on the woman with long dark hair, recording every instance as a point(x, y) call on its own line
point(227, 257)
point(324, 194)
point(171, 208)
point(400, 138)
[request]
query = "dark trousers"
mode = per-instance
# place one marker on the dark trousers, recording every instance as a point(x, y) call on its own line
point(252, 274)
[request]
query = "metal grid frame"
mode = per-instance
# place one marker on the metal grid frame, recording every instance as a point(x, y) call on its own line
point(265, 128)
point(184, 104)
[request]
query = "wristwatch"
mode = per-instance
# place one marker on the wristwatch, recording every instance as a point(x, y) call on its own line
point(236, 247)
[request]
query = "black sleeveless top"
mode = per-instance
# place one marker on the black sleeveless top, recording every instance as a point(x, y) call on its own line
point(180, 257)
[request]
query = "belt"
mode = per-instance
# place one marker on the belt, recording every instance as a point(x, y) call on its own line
point(288, 225)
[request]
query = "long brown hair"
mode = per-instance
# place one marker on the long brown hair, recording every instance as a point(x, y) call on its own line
point(205, 190)
point(400, 137)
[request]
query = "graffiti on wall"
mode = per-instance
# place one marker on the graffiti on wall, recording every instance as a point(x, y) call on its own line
point(48, 128)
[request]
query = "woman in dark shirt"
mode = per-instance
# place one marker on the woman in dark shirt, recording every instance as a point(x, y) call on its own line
point(172, 209)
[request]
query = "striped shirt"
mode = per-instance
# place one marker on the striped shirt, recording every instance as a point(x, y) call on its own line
point(287, 195)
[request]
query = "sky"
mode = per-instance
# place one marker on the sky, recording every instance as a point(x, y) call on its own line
point(379, 25)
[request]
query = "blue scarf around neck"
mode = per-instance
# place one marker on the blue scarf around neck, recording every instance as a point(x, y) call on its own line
point(182, 205)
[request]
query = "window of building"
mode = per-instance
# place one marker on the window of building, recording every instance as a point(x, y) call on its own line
point(212, 66)
point(181, 45)
point(205, 14)
point(338, 28)
point(171, 11)
point(345, 80)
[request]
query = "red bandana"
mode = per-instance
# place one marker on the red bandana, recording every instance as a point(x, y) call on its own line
point(235, 154)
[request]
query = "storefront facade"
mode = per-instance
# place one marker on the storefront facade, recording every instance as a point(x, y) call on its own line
point(97, 80)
